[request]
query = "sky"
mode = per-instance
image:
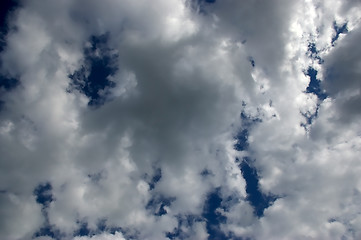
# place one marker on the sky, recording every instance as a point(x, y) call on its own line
point(180, 119)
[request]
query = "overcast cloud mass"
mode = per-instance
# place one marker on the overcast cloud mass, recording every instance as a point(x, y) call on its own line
point(180, 119)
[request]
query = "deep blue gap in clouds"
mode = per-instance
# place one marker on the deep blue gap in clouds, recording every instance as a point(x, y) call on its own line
point(103, 228)
point(314, 53)
point(177, 232)
point(8, 83)
point(338, 30)
point(6, 7)
point(155, 179)
point(44, 197)
point(156, 205)
point(201, 6)
point(257, 199)
point(212, 217)
point(83, 229)
point(309, 117)
point(312, 48)
point(242, 140)
point(200, 2)
point(50, 231)
point(93, 76)
point(43, 194)
point(183, 221)
point(315, 84)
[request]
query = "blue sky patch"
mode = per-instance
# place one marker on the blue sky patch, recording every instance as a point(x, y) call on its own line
point(315, 84)
point(248, 121)
point(205, 1)
point(92, 77)
point(157, 204)
point(8, 83)
point(43, 194)
point(242, 140)
point(50, 231)
point(213, 218)
point(314, 53)
point(83, 229)
point(102, 227)
point(309, 117)
point(258, 200)
point(183, 221)
point(168, 106)
point(155, 179)
point(342, 29)
point(201, 6)
point(7, 6)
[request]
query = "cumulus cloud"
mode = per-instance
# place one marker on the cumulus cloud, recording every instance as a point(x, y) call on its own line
point(131, 120)
point(342, 74)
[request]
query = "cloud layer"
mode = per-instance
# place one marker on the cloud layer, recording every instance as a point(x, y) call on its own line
point(134, 120)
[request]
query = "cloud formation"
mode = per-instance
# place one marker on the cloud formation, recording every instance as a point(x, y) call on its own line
point(180, 119)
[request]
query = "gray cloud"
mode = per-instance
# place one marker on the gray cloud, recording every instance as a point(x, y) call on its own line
point(183, 76)
point(342, 74)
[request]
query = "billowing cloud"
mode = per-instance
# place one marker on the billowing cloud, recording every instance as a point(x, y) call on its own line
point(180, 120)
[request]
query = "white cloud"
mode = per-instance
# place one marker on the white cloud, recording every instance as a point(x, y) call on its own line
point(16, 212)
point(182, 79)
point(104, 236)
